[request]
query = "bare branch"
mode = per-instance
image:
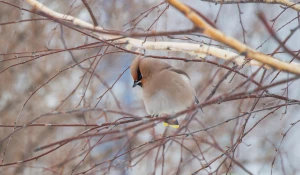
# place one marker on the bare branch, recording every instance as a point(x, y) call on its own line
point(235, 44)
point(286, 3)
point(193, 49)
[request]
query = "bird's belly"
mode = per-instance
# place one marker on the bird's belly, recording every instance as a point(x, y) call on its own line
point(161, 103)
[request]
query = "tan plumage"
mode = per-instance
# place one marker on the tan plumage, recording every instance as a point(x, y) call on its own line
point(166, 90)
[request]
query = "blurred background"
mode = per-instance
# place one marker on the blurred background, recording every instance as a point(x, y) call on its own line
point(58, 83)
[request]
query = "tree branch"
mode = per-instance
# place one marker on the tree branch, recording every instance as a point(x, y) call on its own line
point(286, 3)
point(235, 44)
point(90, 12)
point(199, 50)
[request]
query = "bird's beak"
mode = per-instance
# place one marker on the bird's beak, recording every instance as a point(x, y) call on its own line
point(135, 83)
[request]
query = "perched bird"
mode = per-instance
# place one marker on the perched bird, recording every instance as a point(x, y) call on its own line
point(166, 90)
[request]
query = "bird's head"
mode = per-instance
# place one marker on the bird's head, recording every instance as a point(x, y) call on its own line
point(136, 72)
point(143, 69)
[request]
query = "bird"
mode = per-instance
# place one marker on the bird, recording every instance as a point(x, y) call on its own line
point(166, 90)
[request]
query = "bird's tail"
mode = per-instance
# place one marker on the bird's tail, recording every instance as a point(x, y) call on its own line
point(171, 122)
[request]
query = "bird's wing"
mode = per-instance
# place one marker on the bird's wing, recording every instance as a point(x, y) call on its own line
point(181, 72)
point(185, 75)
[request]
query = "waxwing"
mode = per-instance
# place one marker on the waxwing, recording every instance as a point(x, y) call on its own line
point(166, 90)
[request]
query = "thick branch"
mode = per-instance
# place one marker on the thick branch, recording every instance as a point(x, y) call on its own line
point(286, 3)
point(200, 50)
point(235, 44)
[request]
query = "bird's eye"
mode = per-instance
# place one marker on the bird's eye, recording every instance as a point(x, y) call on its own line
point(139, 75)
